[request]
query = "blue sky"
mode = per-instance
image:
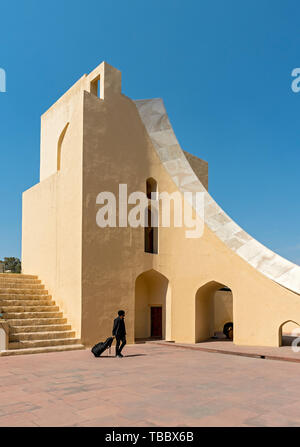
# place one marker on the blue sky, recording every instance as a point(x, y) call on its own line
point(222, 67)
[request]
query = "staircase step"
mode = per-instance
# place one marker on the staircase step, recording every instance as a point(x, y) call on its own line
point(50, 335)
point(39, 328)
point(42, 350)
point(25, 296)
point(36, 321)
point(18, 281)
point(20, 285)
point(22, 302)
point(17, 276)
point(25, 315)
point(43, 343)
point(27, 291)
point(36, 308)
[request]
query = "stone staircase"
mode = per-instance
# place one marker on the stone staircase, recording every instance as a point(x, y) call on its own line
point(35, 322)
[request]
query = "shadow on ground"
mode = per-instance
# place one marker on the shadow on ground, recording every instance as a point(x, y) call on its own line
point(125, 356)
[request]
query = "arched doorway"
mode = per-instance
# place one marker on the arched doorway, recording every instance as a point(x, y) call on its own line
point(288, 332)
point(152, 306)
point(213, 309)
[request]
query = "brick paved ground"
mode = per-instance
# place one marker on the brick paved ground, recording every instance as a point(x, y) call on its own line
point(153, 386)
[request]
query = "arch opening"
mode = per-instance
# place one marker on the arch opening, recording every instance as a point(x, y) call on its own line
point(95, 87)
point(152, 306)
point(214, 313)
point(151, 188)
point(59, 146)
point(289, 331)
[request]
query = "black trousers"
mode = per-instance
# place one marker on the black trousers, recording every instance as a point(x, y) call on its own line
point(118, 347)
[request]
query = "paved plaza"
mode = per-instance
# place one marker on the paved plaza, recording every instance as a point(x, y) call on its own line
point(154, 385)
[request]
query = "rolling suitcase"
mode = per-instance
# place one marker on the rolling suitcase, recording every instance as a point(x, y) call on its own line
point(99, 348)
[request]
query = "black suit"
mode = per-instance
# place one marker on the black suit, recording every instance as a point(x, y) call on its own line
point(119, 332)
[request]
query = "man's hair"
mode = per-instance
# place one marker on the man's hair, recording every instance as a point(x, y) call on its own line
point(121, 312)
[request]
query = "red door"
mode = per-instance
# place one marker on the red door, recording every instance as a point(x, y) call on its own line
point(156, 322)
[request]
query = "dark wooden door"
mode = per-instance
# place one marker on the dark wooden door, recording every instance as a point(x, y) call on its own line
point(156, 322)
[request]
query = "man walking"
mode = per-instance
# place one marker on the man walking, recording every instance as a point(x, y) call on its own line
point(119, 332)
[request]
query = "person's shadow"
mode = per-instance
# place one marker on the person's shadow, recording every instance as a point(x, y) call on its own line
point(125, 356)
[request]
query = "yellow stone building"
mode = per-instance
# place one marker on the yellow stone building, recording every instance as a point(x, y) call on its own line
point(94, 139)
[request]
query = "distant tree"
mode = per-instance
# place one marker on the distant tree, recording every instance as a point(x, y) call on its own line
point(12, 264)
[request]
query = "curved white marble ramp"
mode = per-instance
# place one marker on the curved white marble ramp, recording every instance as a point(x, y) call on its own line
point(158, 126)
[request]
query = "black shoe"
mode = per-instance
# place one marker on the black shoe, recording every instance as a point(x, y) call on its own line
point(120, 355)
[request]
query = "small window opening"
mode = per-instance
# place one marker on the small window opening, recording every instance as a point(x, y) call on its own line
point(151, 232)
point(96, 87)
point(151, 187)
